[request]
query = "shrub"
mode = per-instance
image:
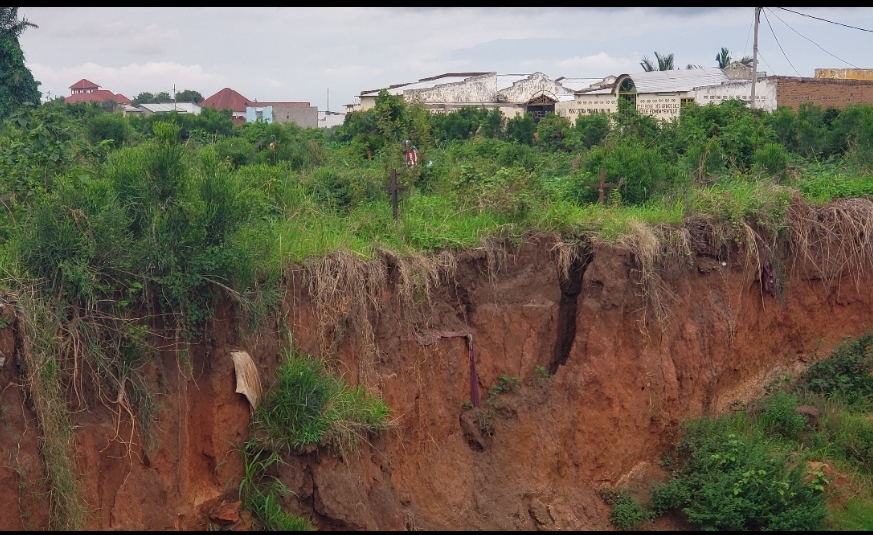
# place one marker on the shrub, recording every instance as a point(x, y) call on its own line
point(729, 482)
point(779, 417)
point(845, 374)
point(772, 158)
point(307, 405)
point(627, 512)
point(642, 169)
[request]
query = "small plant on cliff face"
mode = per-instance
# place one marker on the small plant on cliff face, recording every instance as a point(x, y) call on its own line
point(627, 512)
point(307, 405)
point(263, 499)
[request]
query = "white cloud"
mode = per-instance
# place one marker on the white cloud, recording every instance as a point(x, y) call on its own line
point(596, 63)
point(124, 37)
point(129, 80)
point(272, 83)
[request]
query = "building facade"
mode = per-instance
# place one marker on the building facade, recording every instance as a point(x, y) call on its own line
point(300, 113)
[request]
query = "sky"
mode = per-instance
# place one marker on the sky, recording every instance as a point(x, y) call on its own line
point(301, 54)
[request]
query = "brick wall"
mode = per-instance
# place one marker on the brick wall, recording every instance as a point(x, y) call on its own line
point(822, 92)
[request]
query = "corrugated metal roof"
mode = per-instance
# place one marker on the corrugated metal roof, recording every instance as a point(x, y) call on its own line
point(600, 91)
point(166, 107)
point(674, 81)
point(425, 83)
point(505, 81)
point(575, 84)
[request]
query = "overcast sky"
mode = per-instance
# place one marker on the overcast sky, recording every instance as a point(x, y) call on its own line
point(298, 53)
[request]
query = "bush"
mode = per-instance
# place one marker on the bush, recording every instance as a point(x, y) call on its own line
point(845, 374)
point(642, 169)
point(779, 417)
point(772, 158)
point(627, 512)
point(307, 405)
point(729, 482)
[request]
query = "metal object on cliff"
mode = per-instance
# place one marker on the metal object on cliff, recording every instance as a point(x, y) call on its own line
point(602, 186)
point(393, 187)
point(248, 381)
point(436, 335)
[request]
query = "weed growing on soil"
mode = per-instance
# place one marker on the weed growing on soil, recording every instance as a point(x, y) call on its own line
point(262, 497)
point(627, 512)
point(307, 405)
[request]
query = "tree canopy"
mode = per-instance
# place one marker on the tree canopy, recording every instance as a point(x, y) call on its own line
point(17, 85)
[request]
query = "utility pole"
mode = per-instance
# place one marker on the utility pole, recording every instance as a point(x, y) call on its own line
point(755, 56)
point(328, 100)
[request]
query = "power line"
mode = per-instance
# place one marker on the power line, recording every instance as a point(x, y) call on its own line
point(770, 69)
point(780, 44)
point(810, 40)
point(825, 20)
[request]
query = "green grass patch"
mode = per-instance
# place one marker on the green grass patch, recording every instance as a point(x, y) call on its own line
point(308, 405)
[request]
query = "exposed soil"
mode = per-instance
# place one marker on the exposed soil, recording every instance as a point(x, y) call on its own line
point(530, 459)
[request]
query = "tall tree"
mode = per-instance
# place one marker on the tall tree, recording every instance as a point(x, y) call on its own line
point(189, 95)
point(724, 59)
point(17, 86)
point(664, 63)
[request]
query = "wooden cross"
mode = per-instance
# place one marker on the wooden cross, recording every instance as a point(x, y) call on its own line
point(394, 187)
point(602, 186)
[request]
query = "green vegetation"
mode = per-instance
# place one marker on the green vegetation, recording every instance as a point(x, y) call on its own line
point(627, 512)
point(772, 466)
point(17, 86)
point(307, 405)
point(262, 497)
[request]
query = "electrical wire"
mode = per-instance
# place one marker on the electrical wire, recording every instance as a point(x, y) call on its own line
point(769, 68)
point(778, 43)
point(810, 40)
point(825, 20)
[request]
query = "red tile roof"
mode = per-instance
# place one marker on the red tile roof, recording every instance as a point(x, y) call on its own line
point(84, 84)
point(97, 96)
point(227, 98)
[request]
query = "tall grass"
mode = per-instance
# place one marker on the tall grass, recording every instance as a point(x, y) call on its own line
point(307, 405)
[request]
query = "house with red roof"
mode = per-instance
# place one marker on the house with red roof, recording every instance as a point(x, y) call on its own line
point(228, 99)
point(87, 91)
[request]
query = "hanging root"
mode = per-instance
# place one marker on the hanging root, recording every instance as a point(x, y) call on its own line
point(831, 240)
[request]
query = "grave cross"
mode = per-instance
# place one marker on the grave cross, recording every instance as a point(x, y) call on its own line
point(393, 188)
point(603, 185)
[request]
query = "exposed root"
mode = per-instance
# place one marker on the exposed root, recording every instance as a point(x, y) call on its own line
point(832, 240)
point(345, 289)
point(566, 255)
point(651, 248)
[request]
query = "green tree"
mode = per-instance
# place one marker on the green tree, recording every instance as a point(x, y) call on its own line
point(148, 98)
point(189, 95)
point(724, 59)
point(665, 63)
point(17, 86)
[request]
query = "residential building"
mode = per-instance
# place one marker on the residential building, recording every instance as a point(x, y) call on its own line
point(228, 99)
point(87, 91)
point(300, 113)
point(170, 107)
